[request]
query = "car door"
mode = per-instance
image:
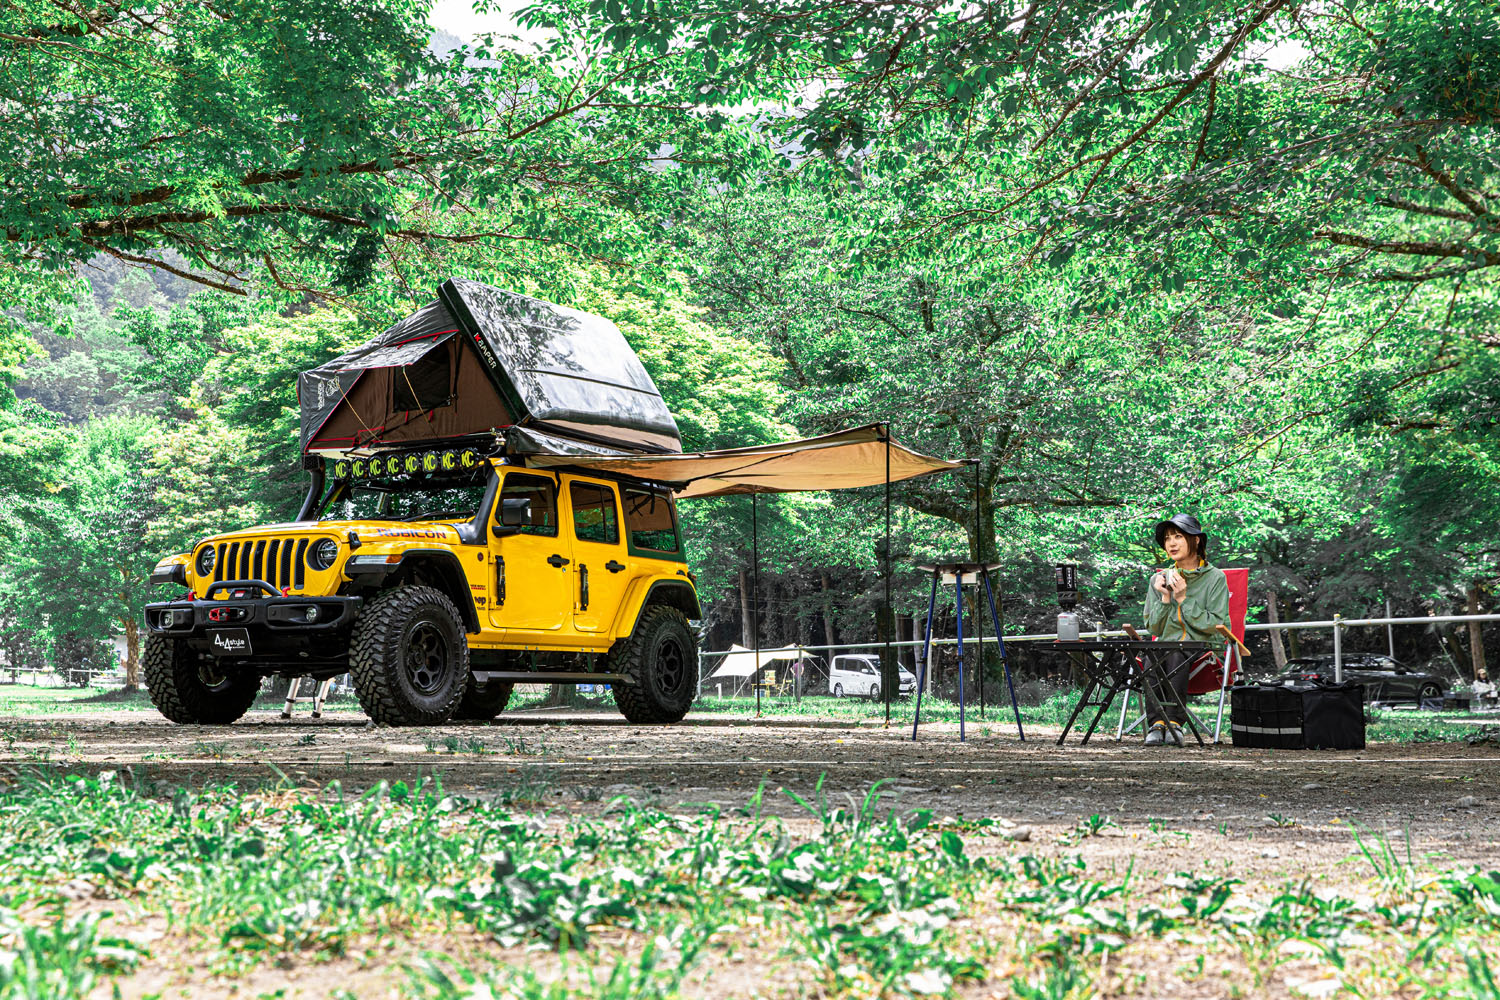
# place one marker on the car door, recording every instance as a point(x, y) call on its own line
point(600, 559)
point(1400, 685)
point(533, 559)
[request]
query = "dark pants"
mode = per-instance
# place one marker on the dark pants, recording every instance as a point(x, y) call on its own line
point(1159, 701)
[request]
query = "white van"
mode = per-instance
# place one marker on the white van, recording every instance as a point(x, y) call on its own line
point(859, 674)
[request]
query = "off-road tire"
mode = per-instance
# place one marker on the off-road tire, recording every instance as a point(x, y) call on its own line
point(409, 657)
point(661, 660)
point(186, 687)
point(483, 705)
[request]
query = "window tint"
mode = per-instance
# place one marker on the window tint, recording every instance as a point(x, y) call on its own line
point(543, 497)
point(594, 518)
point(648, 516)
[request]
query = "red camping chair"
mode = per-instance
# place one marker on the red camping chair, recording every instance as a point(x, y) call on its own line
point(1213, 671)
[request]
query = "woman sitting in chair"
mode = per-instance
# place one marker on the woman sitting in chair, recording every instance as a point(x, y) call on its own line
point(1183, 602)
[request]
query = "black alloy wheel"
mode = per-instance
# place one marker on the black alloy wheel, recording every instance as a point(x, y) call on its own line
point(428, 660)
point(671, 668)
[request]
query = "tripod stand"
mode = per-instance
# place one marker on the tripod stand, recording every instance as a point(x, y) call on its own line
point(962, 573)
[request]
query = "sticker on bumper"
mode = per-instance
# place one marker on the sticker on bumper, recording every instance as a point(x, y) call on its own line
point(229, 641)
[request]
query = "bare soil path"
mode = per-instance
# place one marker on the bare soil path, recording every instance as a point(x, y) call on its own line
point(1277, 812)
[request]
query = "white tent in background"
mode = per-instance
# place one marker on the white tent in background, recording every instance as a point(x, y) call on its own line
point(740, 662)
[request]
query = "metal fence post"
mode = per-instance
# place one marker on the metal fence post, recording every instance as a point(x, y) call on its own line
point(1338, 649)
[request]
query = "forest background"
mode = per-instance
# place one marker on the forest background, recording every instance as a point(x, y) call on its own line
point(1133, 257)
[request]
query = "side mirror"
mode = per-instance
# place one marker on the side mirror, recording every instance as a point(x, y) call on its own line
point(515, 514)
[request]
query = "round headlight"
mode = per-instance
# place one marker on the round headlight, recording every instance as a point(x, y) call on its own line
point(205, 561)
point(322, 554)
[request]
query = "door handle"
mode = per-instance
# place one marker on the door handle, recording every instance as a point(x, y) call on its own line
point(614, 567)
point(556, 560)
point(583, 587)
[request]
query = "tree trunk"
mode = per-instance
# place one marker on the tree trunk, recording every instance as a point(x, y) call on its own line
point(1448, 643)
point(828, 638)
point(1476, 638)
point(132, 654)
point(562, 696)
point(747, 621)
point(1278, 653)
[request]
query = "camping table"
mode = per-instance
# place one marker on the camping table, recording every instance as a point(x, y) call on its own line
point(1111, 667)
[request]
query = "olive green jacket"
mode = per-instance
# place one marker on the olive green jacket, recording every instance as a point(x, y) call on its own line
point(1205, 605)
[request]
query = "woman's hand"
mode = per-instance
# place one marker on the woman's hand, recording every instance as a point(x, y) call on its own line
point(1179, 587)
point(1159, 584)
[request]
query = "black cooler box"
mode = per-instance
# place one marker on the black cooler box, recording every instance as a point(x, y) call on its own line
point(1298, 717)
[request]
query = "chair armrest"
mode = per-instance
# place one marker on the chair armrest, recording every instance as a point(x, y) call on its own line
point(1224, 631)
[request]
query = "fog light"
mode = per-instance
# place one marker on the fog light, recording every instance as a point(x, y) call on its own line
point(312, 613)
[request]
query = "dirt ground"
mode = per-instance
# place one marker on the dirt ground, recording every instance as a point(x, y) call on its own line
point(1273, 813)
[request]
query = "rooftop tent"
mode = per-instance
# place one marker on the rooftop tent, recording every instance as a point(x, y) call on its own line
point(861, 456)
point(481, 359)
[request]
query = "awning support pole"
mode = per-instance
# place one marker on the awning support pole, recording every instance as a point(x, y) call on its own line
point(958, 590)
point(979, 615)
point(890, 621)
point(923, 668)
point(755, 597)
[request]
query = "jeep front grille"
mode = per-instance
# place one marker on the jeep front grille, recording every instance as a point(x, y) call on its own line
point(278, 561)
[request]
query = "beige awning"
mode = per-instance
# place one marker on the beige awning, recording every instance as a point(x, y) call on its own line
point(840, 461)
point(741, 662)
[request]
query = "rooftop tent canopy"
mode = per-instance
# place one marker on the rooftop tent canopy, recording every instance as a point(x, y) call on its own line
point(480, 359)
point(842, 460)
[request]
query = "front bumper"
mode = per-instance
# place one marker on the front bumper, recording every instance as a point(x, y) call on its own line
point(275, 627)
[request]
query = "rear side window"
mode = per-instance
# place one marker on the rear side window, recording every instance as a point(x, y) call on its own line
point(543, 496)
point(594, 517)
point(648, 518)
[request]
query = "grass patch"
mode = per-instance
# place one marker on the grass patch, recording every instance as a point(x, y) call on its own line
point(858, 898)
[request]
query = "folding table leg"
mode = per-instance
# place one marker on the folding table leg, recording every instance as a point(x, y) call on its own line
point(1088, 694)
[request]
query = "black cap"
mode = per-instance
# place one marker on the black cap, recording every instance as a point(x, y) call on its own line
point(1188, 525)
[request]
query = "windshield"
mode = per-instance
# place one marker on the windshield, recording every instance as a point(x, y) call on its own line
point(421, 501)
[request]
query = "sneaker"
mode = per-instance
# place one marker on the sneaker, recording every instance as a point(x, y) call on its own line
point(1174, 733)
point(1157, 734)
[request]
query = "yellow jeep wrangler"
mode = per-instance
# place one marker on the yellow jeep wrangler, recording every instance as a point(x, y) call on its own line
point(437, 596)
point(428, 560)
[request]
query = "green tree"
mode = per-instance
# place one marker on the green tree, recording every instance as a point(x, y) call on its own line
point(79, 568)
point(297, 148)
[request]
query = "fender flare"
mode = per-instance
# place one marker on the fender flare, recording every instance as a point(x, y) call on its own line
point(674, 592)
point(454, 583)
